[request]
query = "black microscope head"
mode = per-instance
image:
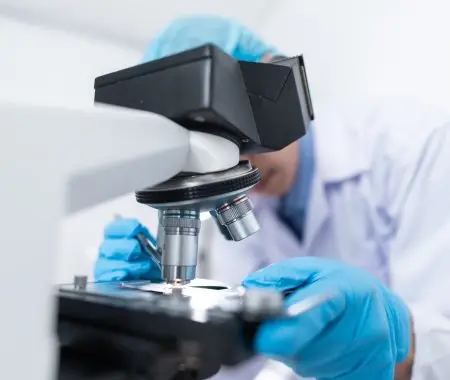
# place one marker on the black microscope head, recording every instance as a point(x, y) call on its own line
point(260, 106)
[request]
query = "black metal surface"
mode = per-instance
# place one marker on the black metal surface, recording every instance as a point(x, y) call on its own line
point(155, 195)
point(280, 100)
point(94, 353)
point(262, 106)
point(107, 336)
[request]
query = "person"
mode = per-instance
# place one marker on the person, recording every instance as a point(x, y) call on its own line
point(358, 208)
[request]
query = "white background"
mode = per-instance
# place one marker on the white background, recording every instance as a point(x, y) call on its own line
point(371, 47)
point(51, 51)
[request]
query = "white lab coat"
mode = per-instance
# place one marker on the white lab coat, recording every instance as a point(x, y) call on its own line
point(381, 200)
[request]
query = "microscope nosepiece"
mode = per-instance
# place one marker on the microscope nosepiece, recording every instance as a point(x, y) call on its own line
point(238, 218)
point(180, 201)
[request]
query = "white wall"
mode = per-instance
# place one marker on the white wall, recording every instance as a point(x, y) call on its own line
point(132, 22)
point(355, 47)
point(41, 65)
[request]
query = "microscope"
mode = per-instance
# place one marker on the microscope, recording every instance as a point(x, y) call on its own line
point(181, 327)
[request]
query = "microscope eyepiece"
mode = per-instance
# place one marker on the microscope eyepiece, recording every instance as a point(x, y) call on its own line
point(261, 106)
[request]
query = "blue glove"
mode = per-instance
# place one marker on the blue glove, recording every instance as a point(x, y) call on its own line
point(189, 32)
point(121, 257)
point(361, 332)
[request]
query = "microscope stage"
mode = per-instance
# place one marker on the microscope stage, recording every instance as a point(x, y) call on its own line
point(205, 320)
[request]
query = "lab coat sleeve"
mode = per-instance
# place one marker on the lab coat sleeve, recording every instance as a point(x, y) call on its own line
point(419, 256)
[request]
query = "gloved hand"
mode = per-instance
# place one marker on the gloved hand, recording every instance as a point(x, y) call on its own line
point(189, 32)
point(121, 257)
point(361, 332)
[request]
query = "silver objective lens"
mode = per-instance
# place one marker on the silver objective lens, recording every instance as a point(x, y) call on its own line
point(178, 243)
point(238, 218)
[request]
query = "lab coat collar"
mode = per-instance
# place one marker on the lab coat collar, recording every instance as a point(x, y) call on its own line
point(339, 155)
point(339, 144)
point(294, 204)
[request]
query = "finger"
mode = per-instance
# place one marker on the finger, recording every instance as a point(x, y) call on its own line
point(287, 337)
point(116, 270)
point(122, 249)
point(124, 228)
point(288, 274)
point(146, 232)
point(114, 275)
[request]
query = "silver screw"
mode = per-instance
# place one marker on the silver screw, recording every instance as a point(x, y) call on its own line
point(80, 282)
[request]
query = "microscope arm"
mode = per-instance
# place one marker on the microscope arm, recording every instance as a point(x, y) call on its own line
point(56, 161)
point(132, 150)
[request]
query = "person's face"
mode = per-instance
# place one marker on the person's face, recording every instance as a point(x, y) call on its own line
point(278, 170)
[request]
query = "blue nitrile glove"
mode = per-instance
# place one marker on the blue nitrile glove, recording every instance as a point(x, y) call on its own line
point(360, 333)
point(121, 256)
point(192, 31)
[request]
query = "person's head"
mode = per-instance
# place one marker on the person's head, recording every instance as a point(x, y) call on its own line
point(278, 169)
point(189, 32)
